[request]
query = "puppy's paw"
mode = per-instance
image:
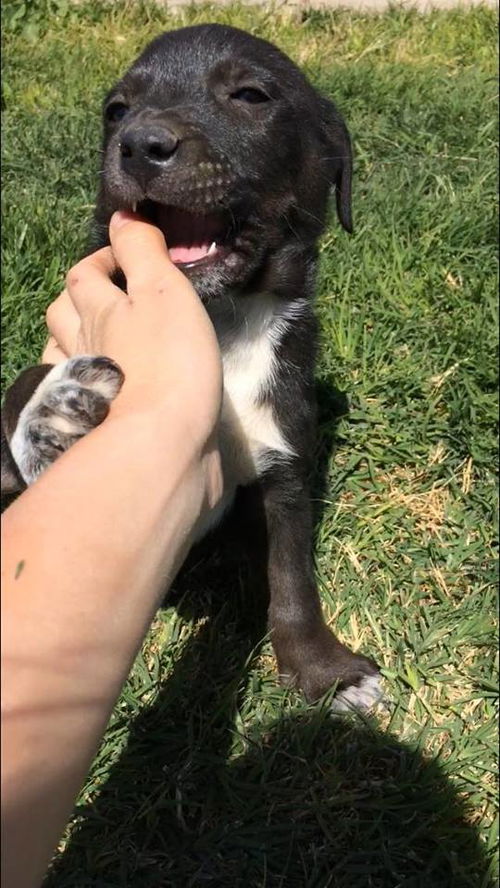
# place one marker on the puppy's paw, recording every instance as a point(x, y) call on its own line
point(364, 695)
point(321, 662)
point(74, 398)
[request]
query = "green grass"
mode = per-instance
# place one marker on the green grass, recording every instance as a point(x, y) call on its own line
point(209, 773)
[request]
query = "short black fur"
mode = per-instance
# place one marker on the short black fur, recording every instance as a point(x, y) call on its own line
point(215, 133)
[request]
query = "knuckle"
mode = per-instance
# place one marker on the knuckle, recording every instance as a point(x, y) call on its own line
point(73, 276)
point(78, 272)
point(49, 315)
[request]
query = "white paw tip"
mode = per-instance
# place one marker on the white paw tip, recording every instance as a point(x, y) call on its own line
point(363, 696)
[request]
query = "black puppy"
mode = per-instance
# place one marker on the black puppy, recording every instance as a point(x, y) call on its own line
point(218, 138)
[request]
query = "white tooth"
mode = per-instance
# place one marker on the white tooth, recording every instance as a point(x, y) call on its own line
point(134, 206)
point(212, 248)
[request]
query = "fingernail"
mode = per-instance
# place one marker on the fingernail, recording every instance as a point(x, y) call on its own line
point(121, 217)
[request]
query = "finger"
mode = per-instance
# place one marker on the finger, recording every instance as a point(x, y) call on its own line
point(53, 353)
point(63, 322)
point(141, 252)
point(88, 283)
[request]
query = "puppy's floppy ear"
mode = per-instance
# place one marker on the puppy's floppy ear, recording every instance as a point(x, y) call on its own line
point(338, 160)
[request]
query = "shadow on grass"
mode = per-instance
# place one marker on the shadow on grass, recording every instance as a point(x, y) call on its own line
point(309, 801)
point(302, 801)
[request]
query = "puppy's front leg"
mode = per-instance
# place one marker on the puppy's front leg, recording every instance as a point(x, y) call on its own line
point(308, 654)
point(16, 398)
point(48, 408)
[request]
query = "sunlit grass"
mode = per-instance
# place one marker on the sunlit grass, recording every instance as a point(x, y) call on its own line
point(209, 773)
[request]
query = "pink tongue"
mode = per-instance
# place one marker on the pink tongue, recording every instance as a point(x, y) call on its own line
point(188, 254)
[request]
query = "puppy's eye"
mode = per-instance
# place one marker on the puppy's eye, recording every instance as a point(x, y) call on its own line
point(250, 94)
point(115, 111)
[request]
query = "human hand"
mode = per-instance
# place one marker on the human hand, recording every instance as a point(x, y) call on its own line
point(158, 331)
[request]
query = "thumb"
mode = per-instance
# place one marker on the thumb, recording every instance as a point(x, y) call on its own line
point(140, 250)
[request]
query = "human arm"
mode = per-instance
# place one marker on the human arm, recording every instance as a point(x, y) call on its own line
point(91, 546)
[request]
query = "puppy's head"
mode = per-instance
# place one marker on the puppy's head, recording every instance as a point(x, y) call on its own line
point(220, 140)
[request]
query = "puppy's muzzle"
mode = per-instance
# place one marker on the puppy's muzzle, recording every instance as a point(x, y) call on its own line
point(172, 163)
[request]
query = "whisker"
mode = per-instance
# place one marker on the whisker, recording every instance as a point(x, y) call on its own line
point(307, 213)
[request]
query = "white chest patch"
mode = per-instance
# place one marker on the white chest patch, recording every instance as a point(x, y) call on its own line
point(249, 330)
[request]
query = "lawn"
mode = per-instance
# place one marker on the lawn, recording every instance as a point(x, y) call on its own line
point(209, 773)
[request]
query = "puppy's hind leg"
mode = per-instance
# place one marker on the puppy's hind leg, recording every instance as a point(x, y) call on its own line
point(308, 654)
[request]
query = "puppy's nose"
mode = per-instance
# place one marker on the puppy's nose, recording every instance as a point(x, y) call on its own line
point(145, 151)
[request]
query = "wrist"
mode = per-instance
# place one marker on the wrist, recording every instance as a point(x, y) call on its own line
point(175, 451)
point(177, 415)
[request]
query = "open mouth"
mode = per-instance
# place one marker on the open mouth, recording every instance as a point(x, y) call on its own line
point(193, 239)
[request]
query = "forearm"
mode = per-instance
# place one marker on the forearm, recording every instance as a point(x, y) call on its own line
point(87, 552)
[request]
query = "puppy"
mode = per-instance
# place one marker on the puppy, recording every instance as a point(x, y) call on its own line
point(220, 140)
